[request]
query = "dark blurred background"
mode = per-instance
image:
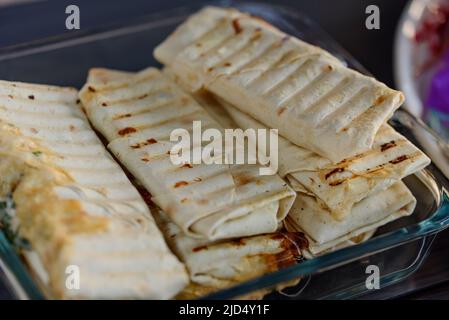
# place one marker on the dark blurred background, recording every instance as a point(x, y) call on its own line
point(344, 20)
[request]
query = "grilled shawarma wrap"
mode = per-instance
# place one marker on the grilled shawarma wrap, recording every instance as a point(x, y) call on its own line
point(337, 186)
point(310, 214)
point(74, 204)
point(218, 265)
point(301, 90)
point(324, 233)
point(340, 186)
point(137, 114)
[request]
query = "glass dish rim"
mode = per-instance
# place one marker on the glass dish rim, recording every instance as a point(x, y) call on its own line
point(438, 221)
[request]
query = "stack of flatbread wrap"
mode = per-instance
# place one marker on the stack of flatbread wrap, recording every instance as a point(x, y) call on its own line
point(202, 206)
point(340, 164)
point(335, 148)
point(75, 205)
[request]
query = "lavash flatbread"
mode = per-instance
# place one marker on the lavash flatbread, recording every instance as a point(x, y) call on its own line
point(219, 265)
point(324, 232)
point(73, 202)
point(286, 84)
point(136, 114)
point(339, 186)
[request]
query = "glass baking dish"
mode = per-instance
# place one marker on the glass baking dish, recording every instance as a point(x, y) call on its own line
point(65, 60)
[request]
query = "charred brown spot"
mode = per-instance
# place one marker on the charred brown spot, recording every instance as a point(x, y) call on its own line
point(236, 26)
point(399, 159)
point(151, 141)
point(183, 200)
point(180, 184)
point(379, 100)
point(328, 68)
point(332, 172)
point(104, 104)
point(198, 44)
point(187, 165)
point(31, 97)
point(121, 116)
point(387, 145)
point(135, 146)
point(72, 128)
point(227, 64)
point(78, 101)
point(34, 130)
point(197, 179)
point(210, 69)
point(83, 110)
point(281, 110)
point(126, 131)
point(197, 249)
point(243, 179)
point(10, 96)
point(142, 96)
point(335, 183)
point(145, 159)
point(238, 242)
point(91, 89)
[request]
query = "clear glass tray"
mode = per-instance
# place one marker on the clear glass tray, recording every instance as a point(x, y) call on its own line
point(65, 60)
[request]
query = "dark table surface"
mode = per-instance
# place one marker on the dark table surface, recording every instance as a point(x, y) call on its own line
point(344, 20)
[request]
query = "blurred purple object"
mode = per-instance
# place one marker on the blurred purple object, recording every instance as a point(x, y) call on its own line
point(438, 97)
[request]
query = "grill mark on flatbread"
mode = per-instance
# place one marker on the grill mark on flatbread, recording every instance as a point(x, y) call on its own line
point(236, 25)
point(301, 92)
point(319, 110)
point(245, 65)
point(387, 145)
point(253, 63)
point(261, 64)
point(122, 85)
point(215, 56)
point(346, 107)
point(244, 46)
point(235, 62)
point(334, 171)
point(145, 90)
point(145, 109)
point(212, 50)
point(399, 159)
point(280, 84)
point(198, 42)
point(136, 129)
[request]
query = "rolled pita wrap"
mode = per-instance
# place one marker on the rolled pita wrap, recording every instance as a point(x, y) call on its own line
point(325, 233)
point(137, 113)
point(217, 265)
point(286, 84)
point(74, 204)
point(340, 186)
point(337, 186)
